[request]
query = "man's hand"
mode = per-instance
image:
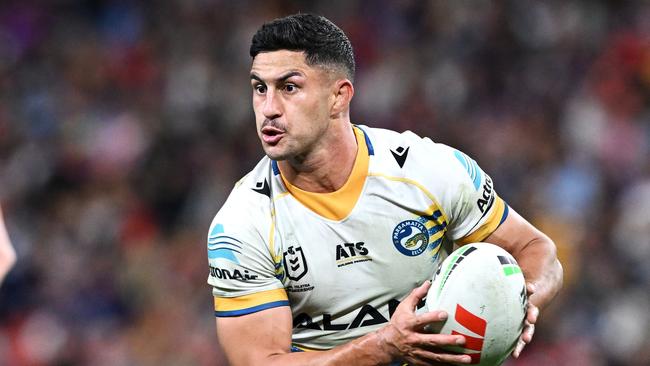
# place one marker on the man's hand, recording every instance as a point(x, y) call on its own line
point(405, 339)
point(402, 339)
point(532, 312)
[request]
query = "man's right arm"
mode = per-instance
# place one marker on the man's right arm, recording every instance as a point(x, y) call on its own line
point(264, 338)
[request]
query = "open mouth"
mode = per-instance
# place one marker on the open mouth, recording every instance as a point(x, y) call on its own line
point(271, 135)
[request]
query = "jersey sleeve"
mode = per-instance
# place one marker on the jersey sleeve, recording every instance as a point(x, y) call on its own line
point(466, 194)
point(471, 200)
point(243, 273)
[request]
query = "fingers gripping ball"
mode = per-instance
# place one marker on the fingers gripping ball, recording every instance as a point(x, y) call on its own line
point(482, 289)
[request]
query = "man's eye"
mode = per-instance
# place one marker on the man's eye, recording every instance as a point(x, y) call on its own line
point(260, 89)
point(290, 88)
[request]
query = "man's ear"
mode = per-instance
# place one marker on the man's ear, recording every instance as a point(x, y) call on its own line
point(342, 92)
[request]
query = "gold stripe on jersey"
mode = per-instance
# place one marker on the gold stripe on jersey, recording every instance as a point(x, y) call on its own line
point(432, 208)
point(305, 349)
point(338, 205)
point(488, 227)
point(239, 305)
point(272, 235)
point(435, 222)
point(277, 258)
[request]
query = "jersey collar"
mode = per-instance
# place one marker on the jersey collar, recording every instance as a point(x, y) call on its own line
point(337, 205)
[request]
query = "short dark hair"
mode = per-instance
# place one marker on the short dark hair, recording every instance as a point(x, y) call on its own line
point(321, 40)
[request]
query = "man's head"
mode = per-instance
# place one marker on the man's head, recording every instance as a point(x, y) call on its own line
point(323, 43)
point(301, 80)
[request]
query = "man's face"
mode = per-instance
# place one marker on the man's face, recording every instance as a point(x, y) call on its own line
point(292, 102)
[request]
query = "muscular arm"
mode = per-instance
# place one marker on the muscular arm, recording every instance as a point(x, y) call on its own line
point(7, 253)
point(264, 338)
point(536, 255)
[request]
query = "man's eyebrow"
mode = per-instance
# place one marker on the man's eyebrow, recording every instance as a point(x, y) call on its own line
point(278, 79)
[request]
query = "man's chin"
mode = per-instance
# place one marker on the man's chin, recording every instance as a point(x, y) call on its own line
point(275, 154)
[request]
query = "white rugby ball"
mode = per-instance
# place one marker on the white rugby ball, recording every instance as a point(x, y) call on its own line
point(481, 287)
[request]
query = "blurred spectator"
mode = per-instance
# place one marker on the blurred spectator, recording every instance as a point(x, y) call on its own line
point(123, 124)
point(7, 251)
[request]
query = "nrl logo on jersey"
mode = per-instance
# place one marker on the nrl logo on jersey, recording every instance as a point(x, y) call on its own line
point(295, 264)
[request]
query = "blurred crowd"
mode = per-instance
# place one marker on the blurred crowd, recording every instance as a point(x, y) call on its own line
point(124, 125)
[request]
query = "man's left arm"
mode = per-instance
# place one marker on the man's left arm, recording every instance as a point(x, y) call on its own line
point(536, 255)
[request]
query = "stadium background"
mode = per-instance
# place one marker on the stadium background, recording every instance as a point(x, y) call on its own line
point(123, 126)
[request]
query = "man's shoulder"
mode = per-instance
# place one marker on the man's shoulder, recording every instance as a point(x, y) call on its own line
point(252, 193)
point(378, 135)
point(406, 148)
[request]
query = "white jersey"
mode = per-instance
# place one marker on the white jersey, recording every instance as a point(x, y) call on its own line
point(343, 260)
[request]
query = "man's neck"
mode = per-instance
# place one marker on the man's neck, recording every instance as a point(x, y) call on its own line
point(327, 168)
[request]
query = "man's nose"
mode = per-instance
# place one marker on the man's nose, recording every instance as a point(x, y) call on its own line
point(272, 107)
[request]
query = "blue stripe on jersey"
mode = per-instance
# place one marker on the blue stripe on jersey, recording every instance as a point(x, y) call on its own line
point(215, 251)
point(437, 228)
point(214, 244)
point(274, 166)
point(505, 214)
point(254, 309)
point(296, 349)
point(371, 150)
point(216, 230)
point(434, 216)
point(471, 167)
point(219, 236)
point(225, 253)
point(433, 245)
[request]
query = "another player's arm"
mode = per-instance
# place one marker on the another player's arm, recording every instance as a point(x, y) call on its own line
point(7, 252)
point(264, 338)
point(536, 255)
